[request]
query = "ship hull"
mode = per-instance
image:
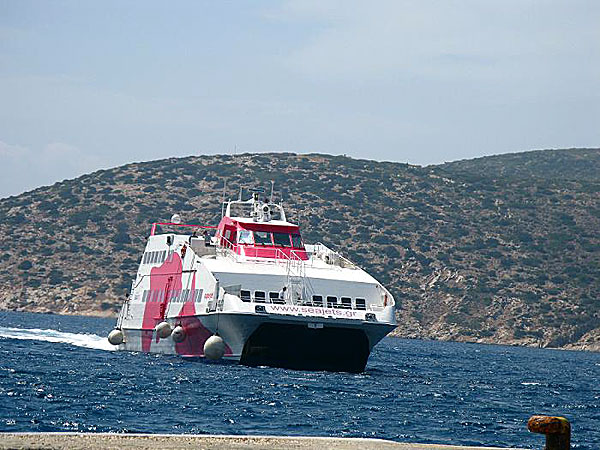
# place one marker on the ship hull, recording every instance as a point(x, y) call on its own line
point(270, 340)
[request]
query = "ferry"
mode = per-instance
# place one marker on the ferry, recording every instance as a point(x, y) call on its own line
point(250, 290)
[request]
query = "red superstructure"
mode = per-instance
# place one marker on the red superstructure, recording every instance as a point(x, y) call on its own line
point(274, 239)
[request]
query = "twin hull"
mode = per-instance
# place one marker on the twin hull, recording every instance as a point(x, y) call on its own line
point(256, 340)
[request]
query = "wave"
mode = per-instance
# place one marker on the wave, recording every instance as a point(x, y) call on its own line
point(78, 339)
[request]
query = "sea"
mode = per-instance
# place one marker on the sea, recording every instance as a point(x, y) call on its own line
point(59, 373)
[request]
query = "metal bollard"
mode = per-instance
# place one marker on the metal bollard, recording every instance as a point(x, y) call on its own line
point(556, 429)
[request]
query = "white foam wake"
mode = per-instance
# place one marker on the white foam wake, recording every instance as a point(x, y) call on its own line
point(77, 339)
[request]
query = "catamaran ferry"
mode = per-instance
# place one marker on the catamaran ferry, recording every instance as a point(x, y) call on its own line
point(253, 292)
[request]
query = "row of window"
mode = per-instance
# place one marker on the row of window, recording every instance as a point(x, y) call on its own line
point(195, 295)
point(174, 295)
point(264, 238)
point(154, 257)
point(330, 301)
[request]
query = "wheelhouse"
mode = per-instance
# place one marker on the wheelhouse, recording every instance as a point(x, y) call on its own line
point(275, 239)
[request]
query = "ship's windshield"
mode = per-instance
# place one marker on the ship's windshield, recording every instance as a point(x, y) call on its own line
point(245, 237)
point(297, 241)
point(282, 239)
point(262, 238)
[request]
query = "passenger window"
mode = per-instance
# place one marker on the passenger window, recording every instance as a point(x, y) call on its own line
point(361, 304)
point(259, 296)
point(245, 295)
point(317, 300)
point(281, 239)
point(199, 293)
point(145, 296)
point(346, 303)
point(262, 238)
point(163, 256)
point(332, 302)
point(297, 241)
point(274, 297)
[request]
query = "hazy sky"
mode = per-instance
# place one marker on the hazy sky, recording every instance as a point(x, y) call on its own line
point(87, 85)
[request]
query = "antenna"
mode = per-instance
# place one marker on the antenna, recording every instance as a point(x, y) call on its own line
point(272, 185)
point(223, 197)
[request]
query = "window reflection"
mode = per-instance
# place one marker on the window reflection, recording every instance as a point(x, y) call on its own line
point(245, 237)
point(297, 241)
point(262, 238)
point(282, 239)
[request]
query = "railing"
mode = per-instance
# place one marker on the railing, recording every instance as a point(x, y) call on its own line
point(292, 260)
point(268, 255)
point(155, 224)
point(330, 256)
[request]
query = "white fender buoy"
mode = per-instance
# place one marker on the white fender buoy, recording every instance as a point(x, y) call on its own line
point(163, 330)
point(178, 334)
point(214, 347)
point(115, 337)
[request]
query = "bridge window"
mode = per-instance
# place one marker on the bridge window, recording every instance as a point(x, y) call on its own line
point(346, 303)
point(259, 296)
point(262, 238)
point(297, 241)
point(245, 237)
point(361, 304)
point(245, 295)
point(317, 300)
point(282, 239)
point(331, 302)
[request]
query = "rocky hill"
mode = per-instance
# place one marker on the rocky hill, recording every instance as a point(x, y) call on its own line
point(501, 249)
point(574, 164)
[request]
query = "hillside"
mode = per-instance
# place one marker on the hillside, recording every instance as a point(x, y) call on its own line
point(476, 250)
point(573, 164)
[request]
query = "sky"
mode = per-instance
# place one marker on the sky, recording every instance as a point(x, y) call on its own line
point(86, 85)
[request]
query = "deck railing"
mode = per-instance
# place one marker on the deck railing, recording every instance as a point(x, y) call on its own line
point(267, 255)
point(198, 227)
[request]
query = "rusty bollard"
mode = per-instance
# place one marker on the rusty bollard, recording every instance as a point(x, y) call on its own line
point(556, 429)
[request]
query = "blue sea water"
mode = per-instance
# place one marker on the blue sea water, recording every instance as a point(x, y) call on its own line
point(57, 373)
